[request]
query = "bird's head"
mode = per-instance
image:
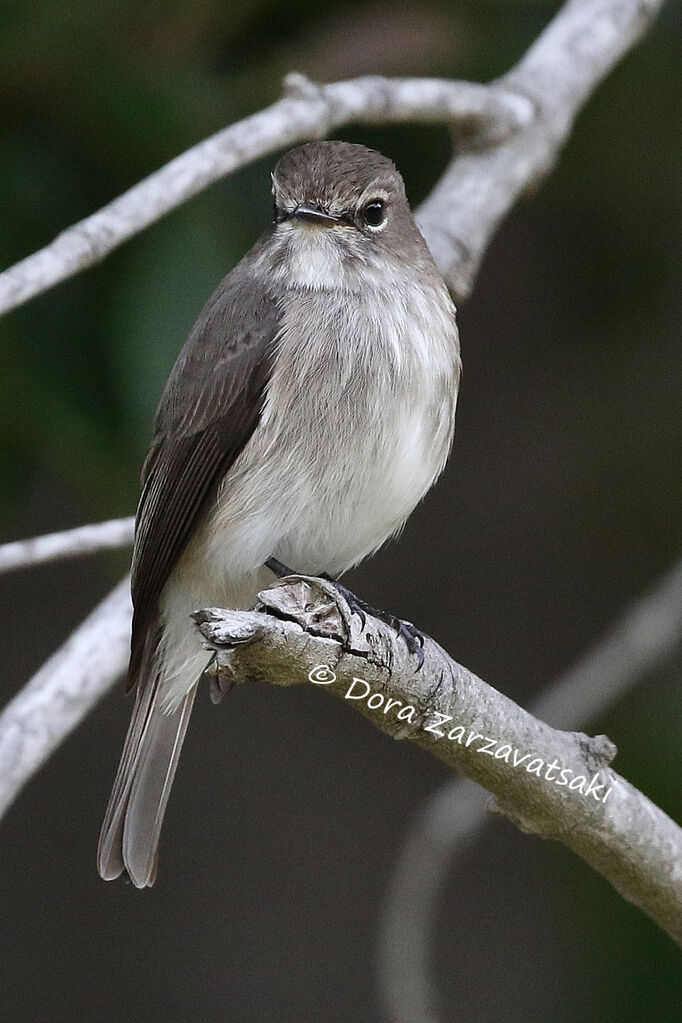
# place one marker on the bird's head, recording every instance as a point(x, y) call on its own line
point(338, 208)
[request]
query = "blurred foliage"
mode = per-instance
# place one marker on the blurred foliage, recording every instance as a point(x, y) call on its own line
point(571, 342)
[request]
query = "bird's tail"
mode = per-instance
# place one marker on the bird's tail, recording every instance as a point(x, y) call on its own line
point(132, 824)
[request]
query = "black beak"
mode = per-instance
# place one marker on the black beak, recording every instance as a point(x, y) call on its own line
point(315, 215)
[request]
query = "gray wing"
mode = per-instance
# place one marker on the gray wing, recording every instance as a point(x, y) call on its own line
point(209, 409)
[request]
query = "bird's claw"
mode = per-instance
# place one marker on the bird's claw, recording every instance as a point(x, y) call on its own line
point(414, 640)
point(409, 633)
point(411, 636)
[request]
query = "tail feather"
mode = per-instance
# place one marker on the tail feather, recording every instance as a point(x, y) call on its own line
point(154, 773)
point(132, 824)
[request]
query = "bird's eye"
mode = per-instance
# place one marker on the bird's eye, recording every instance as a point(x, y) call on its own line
point(373, 213)
point(278, 214)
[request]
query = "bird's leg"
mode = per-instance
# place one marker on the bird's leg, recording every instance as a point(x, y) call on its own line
point(412, 637)
point(278, 568)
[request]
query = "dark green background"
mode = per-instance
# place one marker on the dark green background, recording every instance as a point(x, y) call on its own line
point(562, 502)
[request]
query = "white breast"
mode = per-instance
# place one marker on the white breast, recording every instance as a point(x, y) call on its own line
point(357, 425)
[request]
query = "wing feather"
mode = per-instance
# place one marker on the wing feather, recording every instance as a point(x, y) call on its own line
point(208, 412)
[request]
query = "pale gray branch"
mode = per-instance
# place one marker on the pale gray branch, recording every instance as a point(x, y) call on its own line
point(558, 74)
point(305, 633)
point(59, 696)
point(451, 820)
point(99, 536)
point(511, 132)
point(307, 111)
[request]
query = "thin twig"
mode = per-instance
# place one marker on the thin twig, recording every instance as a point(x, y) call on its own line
point(99, 536)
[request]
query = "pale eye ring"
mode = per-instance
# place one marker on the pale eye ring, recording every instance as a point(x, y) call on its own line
point(373, 213)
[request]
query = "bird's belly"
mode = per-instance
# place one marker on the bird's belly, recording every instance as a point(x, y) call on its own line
point(349, 486)
point(361, 490)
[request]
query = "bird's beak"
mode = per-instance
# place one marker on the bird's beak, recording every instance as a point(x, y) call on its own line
point(315, 215)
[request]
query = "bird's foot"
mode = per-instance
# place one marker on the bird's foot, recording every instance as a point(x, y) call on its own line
point(409, 633)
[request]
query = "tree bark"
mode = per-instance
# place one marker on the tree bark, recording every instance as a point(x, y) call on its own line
point(553, 783)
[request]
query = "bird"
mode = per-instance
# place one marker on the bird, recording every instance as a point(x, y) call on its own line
point(310, 410)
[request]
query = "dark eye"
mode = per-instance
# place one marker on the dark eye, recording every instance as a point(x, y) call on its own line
point(373, 213)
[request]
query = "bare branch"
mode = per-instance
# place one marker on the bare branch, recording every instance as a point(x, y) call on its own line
point(558, 74)
point(307, 111)
point(511, 133)
point(100, 536)
point(451, 820)
point(59, 696)
point(552, 783)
